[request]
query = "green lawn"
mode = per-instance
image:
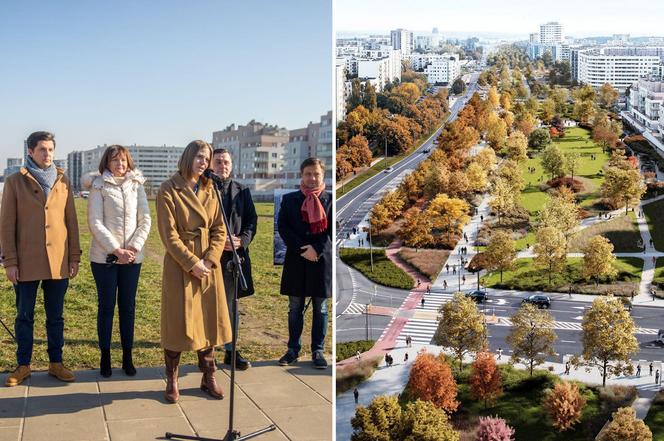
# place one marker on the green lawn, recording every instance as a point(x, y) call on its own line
point(655, 417)
point(384, 271)
point(622, 232)
point(654, 214)
point(533, 198)
point(263, 332)
point(525, 276)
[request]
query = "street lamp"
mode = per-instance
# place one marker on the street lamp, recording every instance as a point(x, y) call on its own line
point(371, 247)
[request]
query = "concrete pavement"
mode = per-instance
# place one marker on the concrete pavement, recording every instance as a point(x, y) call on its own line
point(297, 399)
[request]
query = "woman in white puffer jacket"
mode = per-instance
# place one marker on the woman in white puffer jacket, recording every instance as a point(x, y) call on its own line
point(119, 220)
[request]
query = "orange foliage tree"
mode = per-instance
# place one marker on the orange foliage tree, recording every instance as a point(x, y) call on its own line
point(485, 382)
point(431, 380)
point(564, 405)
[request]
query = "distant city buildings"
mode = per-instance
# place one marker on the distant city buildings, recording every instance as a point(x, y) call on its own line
point(402, 39)
point(618, 66)
point(549, 39)
point(439, 68)
point(313, 140)
point(646, 103)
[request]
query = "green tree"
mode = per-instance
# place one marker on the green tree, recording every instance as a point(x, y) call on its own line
point(460, 327)
point(572, 162)
point(500, 252)
point(608, 337)
point(539, 139)
point(550, 250)
point(531, 336)
point(598, 259)
point(553, 161)
point(458, 87)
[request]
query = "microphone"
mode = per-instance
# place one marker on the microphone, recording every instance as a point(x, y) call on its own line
point(208, 173)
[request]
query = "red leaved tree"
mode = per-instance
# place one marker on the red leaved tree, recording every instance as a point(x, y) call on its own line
point(485, 381)
point(564, 405)
point(431, 380)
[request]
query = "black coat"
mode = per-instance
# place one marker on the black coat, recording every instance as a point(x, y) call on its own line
point(242, 219)
point(300, 277)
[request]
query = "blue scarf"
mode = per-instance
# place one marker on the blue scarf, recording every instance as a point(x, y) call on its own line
point(46, 177)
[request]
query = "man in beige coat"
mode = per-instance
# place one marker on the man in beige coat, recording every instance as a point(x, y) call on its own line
point(37, 246)
point(194, 313)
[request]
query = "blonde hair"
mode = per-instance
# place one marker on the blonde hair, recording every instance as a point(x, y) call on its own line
point(186, 161)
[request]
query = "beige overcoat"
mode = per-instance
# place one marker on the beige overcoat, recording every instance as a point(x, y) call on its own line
point(194, 313)
point(38, 235)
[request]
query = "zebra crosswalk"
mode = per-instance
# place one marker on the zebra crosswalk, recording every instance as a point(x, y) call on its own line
point(434, 300)
point(355, 308)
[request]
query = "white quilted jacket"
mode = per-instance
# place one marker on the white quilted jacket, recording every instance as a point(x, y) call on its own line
point(118, 215)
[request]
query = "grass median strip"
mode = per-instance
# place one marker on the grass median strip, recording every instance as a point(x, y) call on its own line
point(385, 272)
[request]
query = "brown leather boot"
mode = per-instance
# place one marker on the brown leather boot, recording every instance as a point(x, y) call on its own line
point(172, 360)
point(207, 365)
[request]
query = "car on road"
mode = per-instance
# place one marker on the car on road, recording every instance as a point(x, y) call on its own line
point(538, 300)
point(388, 169)
point(426, 150)
point(660, 336)
point(478, 295)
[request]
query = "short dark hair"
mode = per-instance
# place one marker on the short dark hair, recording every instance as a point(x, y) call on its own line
point(221, 152)
point(35, 137)
point(110, 153)
point(312, 161)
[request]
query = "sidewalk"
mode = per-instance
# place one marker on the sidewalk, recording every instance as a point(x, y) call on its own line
point(391, 381)
point(297, 399)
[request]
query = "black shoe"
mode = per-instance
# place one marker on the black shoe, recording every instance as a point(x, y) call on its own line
point(241, 364)
point(127, 363)
point(105, 363)
point(319, 360)
point(289, 357)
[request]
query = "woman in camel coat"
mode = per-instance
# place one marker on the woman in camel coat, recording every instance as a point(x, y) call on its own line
point(194, 315)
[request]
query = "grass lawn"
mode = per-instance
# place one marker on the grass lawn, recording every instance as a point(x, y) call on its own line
point(525, 276)
point(384, 273)
point(263, 330)
point(381, 165)
point(622, 232)
point(655, 417)
point(427, 261)
point(654, 213)
point(533, 196)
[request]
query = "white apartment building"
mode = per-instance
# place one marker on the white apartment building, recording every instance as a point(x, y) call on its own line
point(439, 68)
point(157, 163)
point(380, 70)
point(424, 42)
point(340, 89)
point(551, 33)
point(646, 100)
point(313, 140)
point(618, 66)
point(402, 39)
point(257, 150)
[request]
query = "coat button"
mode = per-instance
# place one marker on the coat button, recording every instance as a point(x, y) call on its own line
point(46, 226)
point(45, 208)
point(48, 244)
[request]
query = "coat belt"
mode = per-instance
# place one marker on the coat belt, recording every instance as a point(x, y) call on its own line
point(204, 234)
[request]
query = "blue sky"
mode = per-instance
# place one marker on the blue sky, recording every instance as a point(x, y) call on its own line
point(159, 72)
point(580, 18)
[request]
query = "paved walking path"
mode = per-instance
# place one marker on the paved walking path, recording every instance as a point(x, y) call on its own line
point(297, 399)
point(391, 381)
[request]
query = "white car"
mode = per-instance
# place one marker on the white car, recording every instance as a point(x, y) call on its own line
point(388, 169)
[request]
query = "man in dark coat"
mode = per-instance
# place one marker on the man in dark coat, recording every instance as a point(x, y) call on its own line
point(241, 213)
point(305, 225)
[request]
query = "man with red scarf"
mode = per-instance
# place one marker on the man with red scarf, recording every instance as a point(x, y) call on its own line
point(305, 225)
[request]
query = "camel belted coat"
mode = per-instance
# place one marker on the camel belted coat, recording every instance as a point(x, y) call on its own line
point(194, 313)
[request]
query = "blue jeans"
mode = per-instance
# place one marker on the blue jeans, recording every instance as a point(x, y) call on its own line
point(122, 281)
point(296, 323)
point(54, 302)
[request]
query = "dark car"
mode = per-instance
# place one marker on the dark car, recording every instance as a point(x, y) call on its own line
point(478, 295)
point(538, 300)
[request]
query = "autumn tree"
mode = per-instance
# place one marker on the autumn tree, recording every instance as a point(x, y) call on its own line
point(607, 96)
point(431, 380)
point(460, 327)
point(502, 198)
point(500, 252)
point(516, 147)
point(583, 111)
point(379, 218)
point(379, 421)
point(459, 184)
point(526, 123)
point(393, 201)
point(552, 160)
point(605, 133)
point(396, 134)
point(416, 229)
point(547, 110)
point(625, 426)
point(559, 95)
point(477, 177)
point(510, 172)
point(492, 97)
point(356, 120)
point(531, 336)
point(494, 429)
point(550, 250)
point(560, 212)
point(625, 185)
point(506, 101)
point(608, 338)
point(448, 214)
point(485, 382)
point(539, 139)
point(486, 158)
point(422, 421)
point(564, 405)
point(344, 167)
point(598, 259)
point(572, 162)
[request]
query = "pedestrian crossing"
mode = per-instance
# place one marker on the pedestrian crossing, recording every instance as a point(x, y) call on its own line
point(575, 326)
point(434, 300)
point(355, 309)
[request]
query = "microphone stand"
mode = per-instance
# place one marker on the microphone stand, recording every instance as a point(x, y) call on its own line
point(239, 281)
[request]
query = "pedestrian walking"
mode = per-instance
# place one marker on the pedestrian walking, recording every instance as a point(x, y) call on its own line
point(453, 269)
point(405, 360)
point(650, 365)
point(429, 288)
point(638, 371)
point(387, 359)
point(463, 279)
point(356, 395)
point(651, 242)
point(408, 341)
point(445, 284)
point(500, 353)
point(570, 291)
point(653, 293)
point(481, 218)
point(657, 376)
point(358, 355)
point(465, 237)
point(567, 366)
point(447, 267)
point(422, 302)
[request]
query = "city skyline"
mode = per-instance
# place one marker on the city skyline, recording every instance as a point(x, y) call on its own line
point(129, 73)
point(520, 17)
